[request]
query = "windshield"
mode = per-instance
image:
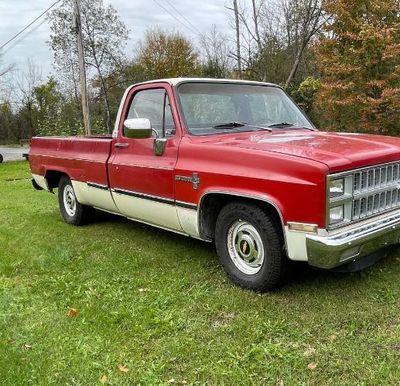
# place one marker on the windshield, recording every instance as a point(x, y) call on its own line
point(210, 108)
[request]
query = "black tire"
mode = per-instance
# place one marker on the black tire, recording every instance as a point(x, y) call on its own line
point(244, 228)
point(1, 158)
point(71, 210)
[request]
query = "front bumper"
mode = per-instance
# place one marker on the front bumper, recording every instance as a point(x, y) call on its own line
point(352, 244)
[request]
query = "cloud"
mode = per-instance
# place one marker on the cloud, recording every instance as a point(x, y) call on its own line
point(138, 15)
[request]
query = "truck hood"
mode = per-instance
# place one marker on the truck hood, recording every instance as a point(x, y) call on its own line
point(338, 151)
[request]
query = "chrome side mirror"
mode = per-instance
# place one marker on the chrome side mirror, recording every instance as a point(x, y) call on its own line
point(141, 128)
point(137, 128)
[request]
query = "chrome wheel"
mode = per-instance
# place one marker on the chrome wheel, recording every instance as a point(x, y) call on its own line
point(69, 200)
point(245, 247)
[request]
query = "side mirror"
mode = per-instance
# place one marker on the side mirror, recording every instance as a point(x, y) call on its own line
point(137, 128)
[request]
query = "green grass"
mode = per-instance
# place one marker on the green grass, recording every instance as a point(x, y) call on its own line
point(160, 305)
point(16, 145)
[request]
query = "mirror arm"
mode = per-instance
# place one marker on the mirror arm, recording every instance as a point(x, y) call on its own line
point(159, 146)
point(155, 132)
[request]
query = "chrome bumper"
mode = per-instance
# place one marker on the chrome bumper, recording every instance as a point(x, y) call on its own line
point(334, 250)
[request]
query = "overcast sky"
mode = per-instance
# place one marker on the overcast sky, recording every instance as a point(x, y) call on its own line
point(136, 14)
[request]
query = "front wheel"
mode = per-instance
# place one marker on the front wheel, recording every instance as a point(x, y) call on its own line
point(249, 244)
point(71, 210)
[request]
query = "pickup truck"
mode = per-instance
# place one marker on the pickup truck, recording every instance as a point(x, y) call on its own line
point(236, 163)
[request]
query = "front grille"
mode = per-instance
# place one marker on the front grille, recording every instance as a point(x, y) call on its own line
point(375, 190)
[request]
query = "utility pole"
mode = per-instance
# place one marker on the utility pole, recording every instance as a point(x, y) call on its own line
point(82, 70)
point(237, 27)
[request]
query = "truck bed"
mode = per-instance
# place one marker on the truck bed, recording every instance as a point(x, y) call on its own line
point(82, 158)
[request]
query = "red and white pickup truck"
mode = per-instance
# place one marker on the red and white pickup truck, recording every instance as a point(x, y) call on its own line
point(234, 162)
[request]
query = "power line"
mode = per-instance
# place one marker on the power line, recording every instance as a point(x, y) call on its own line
point(184, 17)
point(23, 37)
point(32, 22)
point(178, 20)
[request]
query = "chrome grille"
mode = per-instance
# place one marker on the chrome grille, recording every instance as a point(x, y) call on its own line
point(375, 190)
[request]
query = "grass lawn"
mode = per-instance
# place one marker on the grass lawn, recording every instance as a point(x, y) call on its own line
point(156, 308)
point(14, 145)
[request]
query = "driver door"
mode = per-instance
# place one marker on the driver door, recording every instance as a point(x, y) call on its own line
point(142, 182)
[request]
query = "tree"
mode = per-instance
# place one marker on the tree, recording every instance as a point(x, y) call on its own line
point(55, 113)
point(360, 66)
point(164, 55)
point(275, 37)
point(248, 36)
point(26, 82)
point(237, 30)
point(104, 38)
point(5, 71)
point(303, 20)
point(47, 100)
point(8, 124)
point(305, 95)
point(215, 51)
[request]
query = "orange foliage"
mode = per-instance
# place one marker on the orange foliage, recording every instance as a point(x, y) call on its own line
point(359, 59)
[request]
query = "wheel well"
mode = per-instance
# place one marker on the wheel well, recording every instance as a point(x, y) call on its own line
point(212, 204)
point(53, 178)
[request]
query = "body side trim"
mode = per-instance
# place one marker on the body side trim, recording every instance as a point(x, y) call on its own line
point(186, 205)
point(68, 158)
point(98, 186)
point(150, 197)
point(160, 199)
point(145, 166)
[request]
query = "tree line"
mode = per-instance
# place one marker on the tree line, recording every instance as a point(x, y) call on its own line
point(339, 59)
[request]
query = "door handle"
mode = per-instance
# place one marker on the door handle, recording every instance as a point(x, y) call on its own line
point(121, 145)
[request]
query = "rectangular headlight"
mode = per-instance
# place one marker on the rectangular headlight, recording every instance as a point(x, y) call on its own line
point(336, 188)
point(336, 215)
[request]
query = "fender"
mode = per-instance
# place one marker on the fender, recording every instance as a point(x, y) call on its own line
point(245, 194)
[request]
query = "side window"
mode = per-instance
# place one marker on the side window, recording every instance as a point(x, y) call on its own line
point(153, 105)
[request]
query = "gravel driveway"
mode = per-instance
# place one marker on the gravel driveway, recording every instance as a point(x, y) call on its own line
point(13, 153)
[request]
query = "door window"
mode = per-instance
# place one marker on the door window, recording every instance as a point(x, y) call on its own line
point(154, 105)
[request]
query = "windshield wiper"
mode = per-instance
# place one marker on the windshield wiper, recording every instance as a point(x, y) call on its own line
point(282, 124)
point(234, 125)
point(229, 125)
point(291, 125)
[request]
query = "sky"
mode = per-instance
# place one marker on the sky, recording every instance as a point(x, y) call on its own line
point(138, 15)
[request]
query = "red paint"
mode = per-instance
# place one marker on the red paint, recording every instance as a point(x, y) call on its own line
point(286, 167)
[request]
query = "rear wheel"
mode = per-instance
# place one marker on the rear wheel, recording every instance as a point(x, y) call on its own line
point(249, 244)
point(71, 210)
point(1, 158)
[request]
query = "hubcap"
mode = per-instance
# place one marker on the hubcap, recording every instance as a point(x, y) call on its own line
point(69, 201)
point(245, 247)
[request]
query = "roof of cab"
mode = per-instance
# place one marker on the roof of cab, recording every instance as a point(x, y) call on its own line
point(176, 81)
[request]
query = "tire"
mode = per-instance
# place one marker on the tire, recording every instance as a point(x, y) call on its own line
point(1, 158)
point(250, 247)
point(71, 210)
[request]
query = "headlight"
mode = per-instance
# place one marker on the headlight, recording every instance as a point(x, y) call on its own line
point(336, 215)
point(336, 188)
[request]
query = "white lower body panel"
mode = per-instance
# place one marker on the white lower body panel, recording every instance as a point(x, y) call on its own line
point(41, 181)
point(94, 196)
point(296, 245)
point(147, 210)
